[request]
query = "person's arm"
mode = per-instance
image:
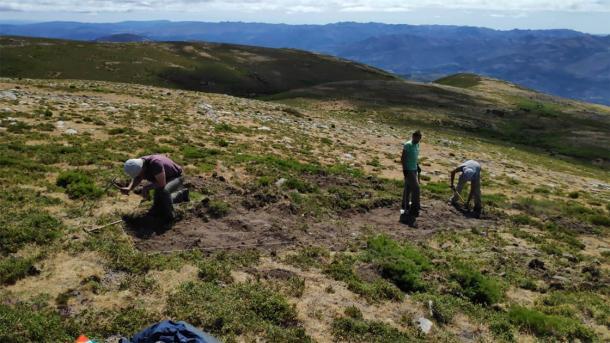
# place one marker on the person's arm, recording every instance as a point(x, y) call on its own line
point(402, 158)
point(453, 172)
point(160, 180)
point(133, 184)
point(418, 174)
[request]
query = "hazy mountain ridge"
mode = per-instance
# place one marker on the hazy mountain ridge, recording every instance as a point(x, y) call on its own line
point(562, 62)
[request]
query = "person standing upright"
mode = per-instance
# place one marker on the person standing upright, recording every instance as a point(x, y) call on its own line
point(410, 167)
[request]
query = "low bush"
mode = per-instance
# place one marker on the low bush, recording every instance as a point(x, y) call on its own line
point(308, 257)
point(342, 269)
point(480, 289)
point(234, 310)
point(218, 209)
point(78, 185)
point(300, 185)
point(600, 219)
point(545, 325)
point(402, 265)
point(25, 322)
point(360, 330)
point(15, 268)
point(574, 195)
point(21, 228)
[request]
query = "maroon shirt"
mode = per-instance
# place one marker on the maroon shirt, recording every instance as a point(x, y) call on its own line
point(154, 164)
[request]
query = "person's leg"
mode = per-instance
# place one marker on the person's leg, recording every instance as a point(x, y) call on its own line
point(162, 204)
point(476, 193)
point(405, 194)
point(177, 190)
point(414, 192)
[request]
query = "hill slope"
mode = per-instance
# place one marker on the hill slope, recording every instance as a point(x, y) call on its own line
point(475, 106)
point(220, 68)
point(292, 231)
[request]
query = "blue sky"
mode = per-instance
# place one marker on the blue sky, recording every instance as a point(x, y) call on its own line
point(583, 15)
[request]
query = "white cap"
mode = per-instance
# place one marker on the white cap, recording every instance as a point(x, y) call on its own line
point(133, 167)
point(468, 173)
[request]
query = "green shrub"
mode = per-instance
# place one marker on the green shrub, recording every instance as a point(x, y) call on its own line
point(214, 271)
point(78, 185)
point(353, 312)
point(444, 307)
point(574, 195)
point(33, 226)
point(33, 323)
point(300, 185)
point(480, 289)
point(15, 268)
point(599, 219)
point(359, 330)
point(125, 321)
point(218, 209)
point(524, 219)
point(543, 325)
point(588, 304)
point(308, 257)
point(342, 269)
point(234, 310)
point(402, 265)
point(196, 153)
point(121, 131)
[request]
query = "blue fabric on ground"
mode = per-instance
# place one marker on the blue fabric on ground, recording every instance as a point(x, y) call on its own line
point(169, 331)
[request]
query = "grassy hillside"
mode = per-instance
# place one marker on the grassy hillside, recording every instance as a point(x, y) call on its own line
point(218, 68)
point(475, 106)
point(292, 231)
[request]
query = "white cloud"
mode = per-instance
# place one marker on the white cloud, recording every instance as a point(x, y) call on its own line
point(304, 6)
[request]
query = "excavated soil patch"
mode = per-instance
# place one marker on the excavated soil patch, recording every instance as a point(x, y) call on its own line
point(268, 221)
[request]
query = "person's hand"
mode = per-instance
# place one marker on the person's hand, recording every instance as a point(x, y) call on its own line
point(145, 193)
point(125, 190)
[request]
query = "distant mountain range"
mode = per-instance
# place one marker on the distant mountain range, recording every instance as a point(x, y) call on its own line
point(561, 62)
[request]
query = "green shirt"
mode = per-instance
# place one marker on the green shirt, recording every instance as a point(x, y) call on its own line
point(411, 156)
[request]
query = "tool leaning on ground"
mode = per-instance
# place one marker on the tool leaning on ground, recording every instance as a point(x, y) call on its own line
point(111, 183)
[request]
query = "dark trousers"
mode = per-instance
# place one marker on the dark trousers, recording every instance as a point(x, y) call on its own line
point(163, 202)
point(410, 194)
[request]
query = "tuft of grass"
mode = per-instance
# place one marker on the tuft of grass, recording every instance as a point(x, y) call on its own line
point(342, 269)
point(402, 265)
point(218, 209)
point(33, 322)
point(78, 185)
point(27, 227)
point(234, 310)
point(544, 325)
point(308, 257)
point(359, 330)
point(15, 268)
point(480, 289)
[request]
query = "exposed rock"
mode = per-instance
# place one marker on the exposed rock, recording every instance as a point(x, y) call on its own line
point(71, 132)
point(8, 95)
point(425, 325)
point(60, 124)
point(264, 128)
point(280, 182)
point(348, 156)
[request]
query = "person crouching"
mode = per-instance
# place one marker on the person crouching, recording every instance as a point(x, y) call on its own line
point(164, 176)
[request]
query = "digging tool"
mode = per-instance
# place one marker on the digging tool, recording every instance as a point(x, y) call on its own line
point(94, 229)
